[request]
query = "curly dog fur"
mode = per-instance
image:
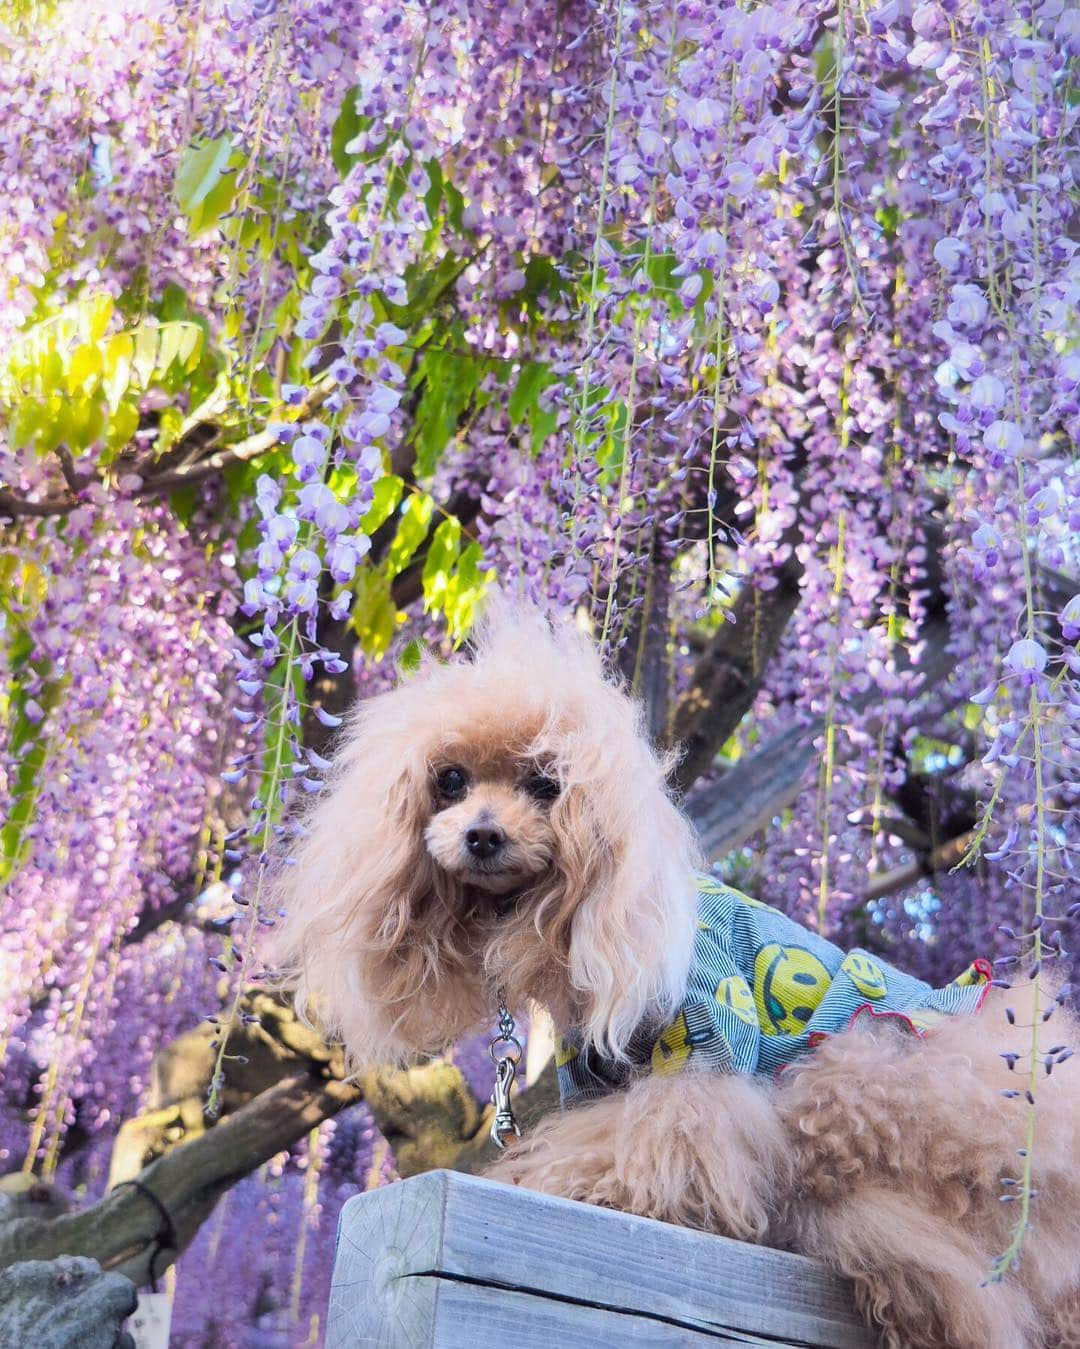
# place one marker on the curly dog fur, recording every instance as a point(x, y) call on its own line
point(502, 822)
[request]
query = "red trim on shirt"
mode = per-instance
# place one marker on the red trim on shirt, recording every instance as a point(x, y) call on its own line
point(818, 1037)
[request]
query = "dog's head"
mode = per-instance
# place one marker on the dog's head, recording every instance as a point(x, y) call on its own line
point(498, 821)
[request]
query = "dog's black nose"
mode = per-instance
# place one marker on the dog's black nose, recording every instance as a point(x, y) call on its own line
point(484, 841)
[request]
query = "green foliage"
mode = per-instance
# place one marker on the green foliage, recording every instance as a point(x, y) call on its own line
point(206, 181)
point(28, 743)
point(386, 499)
point(447, 384)
point(375, 616)
point(411, 532)
point(525, 403)
point(347, 125)
point(70, 381)
point(443, 201)
point(454, 580)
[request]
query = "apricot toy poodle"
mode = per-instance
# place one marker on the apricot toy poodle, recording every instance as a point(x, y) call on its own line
point(501, 823)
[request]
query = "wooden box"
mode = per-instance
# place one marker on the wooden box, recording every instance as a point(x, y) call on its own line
point(457, 1262)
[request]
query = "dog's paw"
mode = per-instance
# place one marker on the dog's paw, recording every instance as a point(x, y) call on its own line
point(560, 1157)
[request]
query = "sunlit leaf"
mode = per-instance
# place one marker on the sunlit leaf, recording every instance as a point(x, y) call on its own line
point(412, 530)
point(116, 374)
point(386, 498)
point(465, 589)
point(144, 357)
point(180, 345)
point(201, 166)
point(442, 553)
point(375, 617)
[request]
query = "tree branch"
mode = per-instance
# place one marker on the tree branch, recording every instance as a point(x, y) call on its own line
point(13, 506)
point(752, 793)
point(728, 675)
point(282, 1081)
point(942, 858)
point(169, 480)
point(240, 453)
point(125, 1229)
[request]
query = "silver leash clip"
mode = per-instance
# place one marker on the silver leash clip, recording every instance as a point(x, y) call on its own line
point(504, 1122)
point(505, 1050)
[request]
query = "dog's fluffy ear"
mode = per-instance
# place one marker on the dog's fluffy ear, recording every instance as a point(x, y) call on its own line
point(357, 884)
point(629, 858)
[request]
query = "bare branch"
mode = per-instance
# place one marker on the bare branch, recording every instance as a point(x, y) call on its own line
point(241, 453)
point(938, 859)
point(125, 1230)
point(729, 674)
point(752, 793)
point(13, 506)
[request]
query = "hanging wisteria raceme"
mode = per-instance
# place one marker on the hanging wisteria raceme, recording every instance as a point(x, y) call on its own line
point(123, 702)
point(1011, 277)
point(133, 131)
point(311, 517)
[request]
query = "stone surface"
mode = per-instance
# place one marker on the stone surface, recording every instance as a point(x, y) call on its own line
point(58, 1304)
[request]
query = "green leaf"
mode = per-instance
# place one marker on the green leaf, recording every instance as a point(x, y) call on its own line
point(347, 125)
point(117, 368)
point(411, 532)
point(449, 383)
point(144, 357)
point(530, 382)
point(385, 500)
point(543, 422)
point(84, 369)
point(202, 167)
point(534, 378)
point(180, 345)
point(121, 429)
point(28, 746)
point(455, 205)
point(888, 217)
point(426, 286)
point(97, 311)
point(442, 553)
point(410, 658)
point(27, 422)
point(433, 196)
point(374, 615)
point(464, 591)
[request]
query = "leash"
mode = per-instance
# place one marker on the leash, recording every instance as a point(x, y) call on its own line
point(505, 1051)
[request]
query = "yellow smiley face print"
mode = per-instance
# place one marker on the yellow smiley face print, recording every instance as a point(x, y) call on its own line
point(866, 974)
point(565, 1051)
point(734, 992)
point(789, 983)
point(976, 973)
point(674, 1045)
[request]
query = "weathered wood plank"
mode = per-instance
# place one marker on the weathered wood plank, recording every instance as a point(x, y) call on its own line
point(443, 1258)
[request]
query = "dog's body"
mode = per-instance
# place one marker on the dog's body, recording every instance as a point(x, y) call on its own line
point(502, 824)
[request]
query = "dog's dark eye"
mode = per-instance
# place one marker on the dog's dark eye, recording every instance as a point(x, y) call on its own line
point(451, 783)
point(541, 787)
